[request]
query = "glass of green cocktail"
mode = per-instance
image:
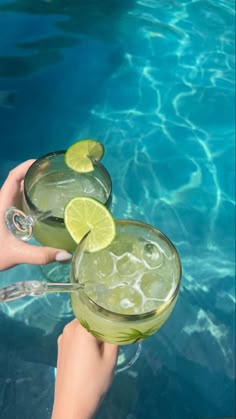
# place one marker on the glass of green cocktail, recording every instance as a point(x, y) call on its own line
point(125, 277)
point(49, 185)
point(139, 276)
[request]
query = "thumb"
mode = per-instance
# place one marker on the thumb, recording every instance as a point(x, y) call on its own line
point(40, 255)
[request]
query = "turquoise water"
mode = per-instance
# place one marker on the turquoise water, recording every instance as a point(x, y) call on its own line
point(154, 81)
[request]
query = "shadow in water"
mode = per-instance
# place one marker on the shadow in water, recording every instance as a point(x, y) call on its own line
point(32, 343)
point(72, 20)
point(55, 58)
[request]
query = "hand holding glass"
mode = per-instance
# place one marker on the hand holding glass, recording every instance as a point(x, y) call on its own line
point(124, 293)
point(49, 185)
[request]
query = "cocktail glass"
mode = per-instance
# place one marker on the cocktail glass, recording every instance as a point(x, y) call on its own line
point(139, 276)
point(121, 294)
point(49, 185)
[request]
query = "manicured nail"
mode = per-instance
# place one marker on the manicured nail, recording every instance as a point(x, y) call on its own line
point(63, 256)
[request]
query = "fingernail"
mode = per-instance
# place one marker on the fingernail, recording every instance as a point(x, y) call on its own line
point(63, 256)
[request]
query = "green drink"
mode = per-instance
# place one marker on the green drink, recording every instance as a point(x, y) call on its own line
point(130, 287)
point(49, 185)
point(54, 190)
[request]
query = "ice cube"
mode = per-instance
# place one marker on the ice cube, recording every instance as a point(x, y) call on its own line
point(87, 187)
point(152, 255)
point(128, 265)
point(154, 285)
point(124, 299)
point(105, 263)
point(121, 246)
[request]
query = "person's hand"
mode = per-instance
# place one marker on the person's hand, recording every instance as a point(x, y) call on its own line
point(85, 368)
point(13, 250)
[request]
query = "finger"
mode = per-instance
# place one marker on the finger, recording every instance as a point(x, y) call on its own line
point(71, 327)
point(81, 334)
point(17, 174)
point(64, 339)
point(12, 189)
point(39, 255)
point(110, 352)
point(59, 349)
point(59, 363)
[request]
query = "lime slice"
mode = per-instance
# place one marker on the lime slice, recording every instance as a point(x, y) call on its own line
point(84, 215)
point(81, 155)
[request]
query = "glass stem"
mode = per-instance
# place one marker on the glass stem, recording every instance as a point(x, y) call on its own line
point(32, 219)
point(63, 287)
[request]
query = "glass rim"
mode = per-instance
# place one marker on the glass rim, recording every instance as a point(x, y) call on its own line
point(53, 218)
point(142, 316)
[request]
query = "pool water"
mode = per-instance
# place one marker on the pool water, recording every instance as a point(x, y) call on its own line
point(154, 81)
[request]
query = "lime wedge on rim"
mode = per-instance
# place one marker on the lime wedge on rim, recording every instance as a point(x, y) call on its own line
point(81, 155)
point(83, 215)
